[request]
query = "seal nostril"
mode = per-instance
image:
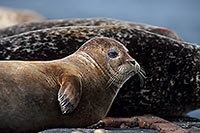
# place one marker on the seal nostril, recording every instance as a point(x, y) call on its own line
point(133, 62)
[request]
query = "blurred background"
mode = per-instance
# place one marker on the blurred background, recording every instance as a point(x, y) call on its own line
point(180, 16)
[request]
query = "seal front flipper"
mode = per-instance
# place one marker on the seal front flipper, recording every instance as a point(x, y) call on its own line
point(69, 93)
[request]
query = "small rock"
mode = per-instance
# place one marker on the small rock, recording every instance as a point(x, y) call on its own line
point(100, 131)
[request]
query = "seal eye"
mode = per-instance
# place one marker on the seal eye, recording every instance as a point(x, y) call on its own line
point(113, 53)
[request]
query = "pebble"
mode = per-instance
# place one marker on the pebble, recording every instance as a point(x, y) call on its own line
point(100, 131)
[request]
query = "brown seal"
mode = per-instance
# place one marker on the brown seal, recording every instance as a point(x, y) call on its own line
point(75, 91)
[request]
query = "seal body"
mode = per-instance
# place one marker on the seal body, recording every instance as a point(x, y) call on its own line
point(75, 91)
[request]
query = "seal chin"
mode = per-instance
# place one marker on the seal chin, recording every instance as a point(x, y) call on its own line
point(123, 73)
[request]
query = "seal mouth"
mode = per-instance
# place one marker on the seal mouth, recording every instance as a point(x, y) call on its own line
point(118, 78)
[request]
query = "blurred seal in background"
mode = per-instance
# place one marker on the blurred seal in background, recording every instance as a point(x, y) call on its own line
point(9, 17)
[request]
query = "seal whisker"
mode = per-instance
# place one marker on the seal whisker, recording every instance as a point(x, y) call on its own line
point(142, 77)
point(112, 79)
point(143, 73)
point(142, 70)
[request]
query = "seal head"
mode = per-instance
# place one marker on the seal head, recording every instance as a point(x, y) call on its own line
point(112, 58)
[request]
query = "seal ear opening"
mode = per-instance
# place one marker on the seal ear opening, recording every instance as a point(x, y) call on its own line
point(69, 94)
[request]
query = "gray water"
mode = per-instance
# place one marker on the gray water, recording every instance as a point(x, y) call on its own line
point(180, 16)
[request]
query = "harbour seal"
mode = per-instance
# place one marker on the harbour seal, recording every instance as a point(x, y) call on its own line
point(75, 91)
